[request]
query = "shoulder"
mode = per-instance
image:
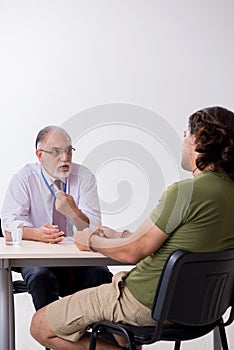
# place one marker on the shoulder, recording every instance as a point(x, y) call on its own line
point(173, 205)
point(184, 187)
point(177, 195)
point(29, 170)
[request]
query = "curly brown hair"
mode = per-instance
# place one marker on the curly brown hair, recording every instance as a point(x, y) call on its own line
point(213, 128)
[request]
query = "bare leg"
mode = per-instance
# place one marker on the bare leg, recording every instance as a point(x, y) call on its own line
point(41, 331)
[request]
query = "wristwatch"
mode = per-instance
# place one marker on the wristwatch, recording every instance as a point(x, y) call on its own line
point(98, 233)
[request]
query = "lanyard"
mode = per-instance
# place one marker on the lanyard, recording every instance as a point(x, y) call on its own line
point(50, 189)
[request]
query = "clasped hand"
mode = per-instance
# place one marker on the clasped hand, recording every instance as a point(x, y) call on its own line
point(81, 238)
point(50, 234)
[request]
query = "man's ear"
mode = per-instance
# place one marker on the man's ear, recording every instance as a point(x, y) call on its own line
point(39, 154)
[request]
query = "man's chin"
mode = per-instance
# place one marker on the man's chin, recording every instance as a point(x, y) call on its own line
point(63, 174)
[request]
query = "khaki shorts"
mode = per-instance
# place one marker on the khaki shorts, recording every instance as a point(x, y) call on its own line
point(70, 316)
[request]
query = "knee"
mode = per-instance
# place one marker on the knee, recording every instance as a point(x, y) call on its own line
point(39, 327)
point(101, 273)
point(36, 325)
point(39, 275)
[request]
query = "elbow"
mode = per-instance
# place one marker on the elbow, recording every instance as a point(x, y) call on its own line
point(131, 259)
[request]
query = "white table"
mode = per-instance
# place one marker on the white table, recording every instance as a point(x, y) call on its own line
point(35, 254)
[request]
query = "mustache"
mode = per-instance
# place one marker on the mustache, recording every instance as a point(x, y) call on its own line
point(64, 164)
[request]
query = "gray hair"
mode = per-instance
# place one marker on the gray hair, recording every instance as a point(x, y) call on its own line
point(48, 129)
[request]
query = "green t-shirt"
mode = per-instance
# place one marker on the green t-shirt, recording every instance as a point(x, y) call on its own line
point(197, 214)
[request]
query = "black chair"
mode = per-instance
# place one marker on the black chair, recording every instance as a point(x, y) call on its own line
point(194, 292)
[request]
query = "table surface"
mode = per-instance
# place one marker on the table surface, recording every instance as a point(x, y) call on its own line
point(32, 251)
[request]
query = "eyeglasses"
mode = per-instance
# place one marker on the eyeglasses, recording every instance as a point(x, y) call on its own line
point(56, 152)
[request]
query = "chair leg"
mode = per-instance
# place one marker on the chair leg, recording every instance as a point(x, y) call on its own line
point(93, 341)
point(223, 338)
point(177, 345)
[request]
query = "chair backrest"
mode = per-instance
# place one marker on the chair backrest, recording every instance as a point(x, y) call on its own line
point(195, 288)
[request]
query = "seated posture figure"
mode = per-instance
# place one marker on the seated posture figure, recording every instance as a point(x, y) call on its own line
point(48, 199)
point(195, 214)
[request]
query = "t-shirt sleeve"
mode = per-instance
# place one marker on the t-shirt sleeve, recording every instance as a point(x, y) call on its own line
point(172, 207)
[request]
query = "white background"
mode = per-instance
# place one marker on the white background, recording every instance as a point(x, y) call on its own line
point(61, 57)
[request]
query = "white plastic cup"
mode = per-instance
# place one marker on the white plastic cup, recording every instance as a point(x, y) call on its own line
point(13, 236)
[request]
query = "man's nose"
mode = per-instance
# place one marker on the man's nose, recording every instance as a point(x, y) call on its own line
point(64, 155)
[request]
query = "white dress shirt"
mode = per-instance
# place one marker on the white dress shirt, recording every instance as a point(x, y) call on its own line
point(29, 202)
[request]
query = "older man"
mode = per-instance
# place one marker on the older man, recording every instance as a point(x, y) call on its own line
point(49, 199)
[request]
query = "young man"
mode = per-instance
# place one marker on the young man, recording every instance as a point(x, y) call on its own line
point(194, 214)
point(48, 199)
